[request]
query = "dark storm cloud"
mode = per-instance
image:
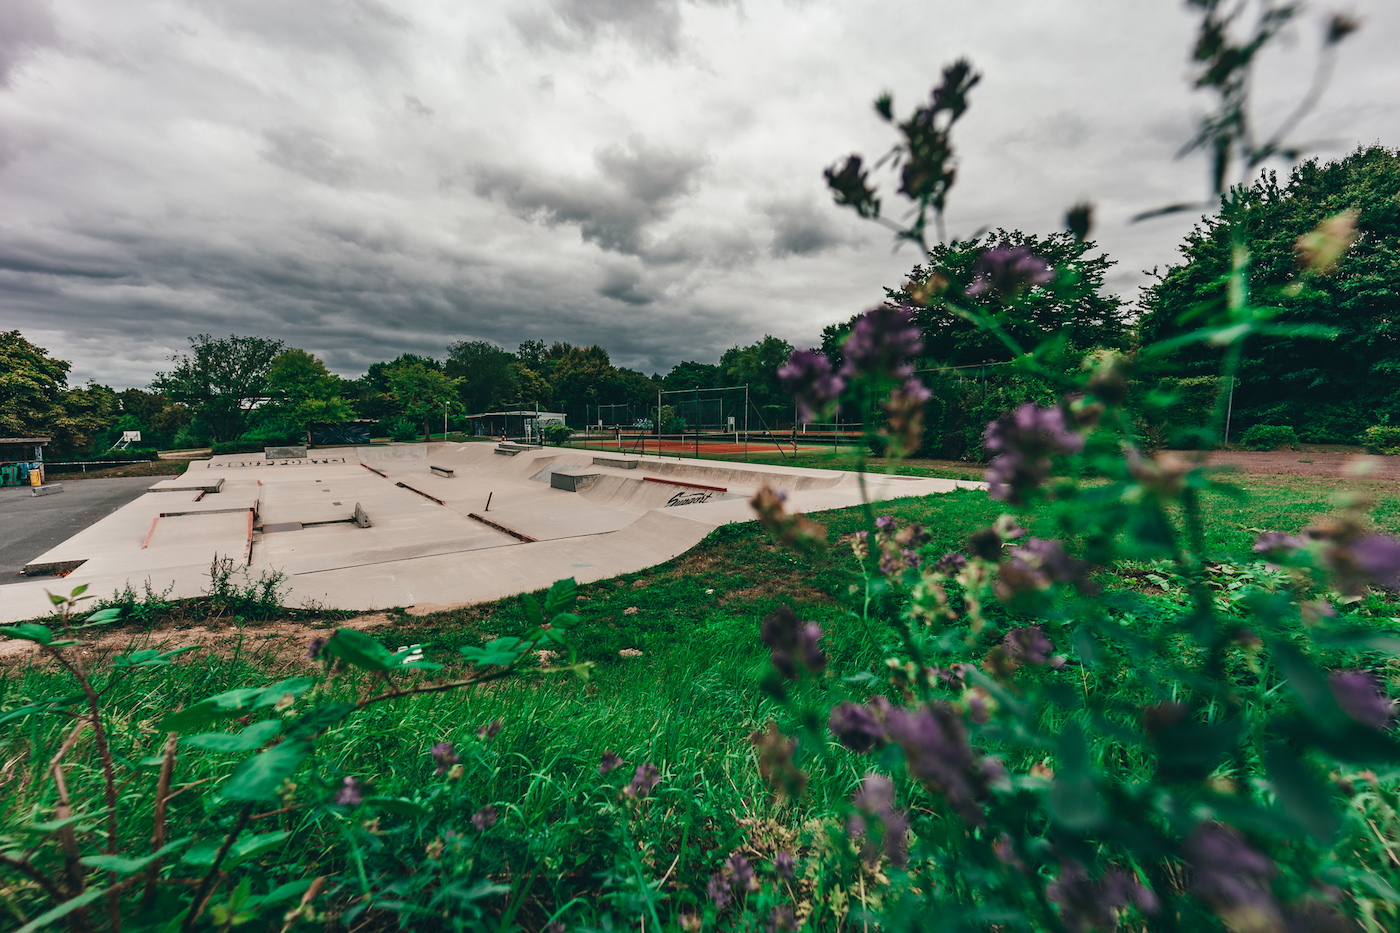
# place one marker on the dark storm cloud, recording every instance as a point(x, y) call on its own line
point(363, 178)
point(801, 227)
point(637, 186)
point(25, 25)
point(652, 25)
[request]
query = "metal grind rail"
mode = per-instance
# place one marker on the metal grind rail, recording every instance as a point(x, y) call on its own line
point(518, 535)
point(420, 492)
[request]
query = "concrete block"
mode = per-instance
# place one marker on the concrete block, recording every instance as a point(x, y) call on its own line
point(620, 463)
point(284, 453)
point(572, 482)
point(52, 568)
point(47, 489)
point(441, 471)
point(510, 451)
point(361, 518)
point(184, 484)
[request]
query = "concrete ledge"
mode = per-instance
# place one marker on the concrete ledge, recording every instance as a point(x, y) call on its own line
point(361, 518)
point(284, 453)
point(186, 485)
point(52, 568)
point(510, 451)
point(572, 482)
point(618, 462)
point(47, 489)
point(441, 471)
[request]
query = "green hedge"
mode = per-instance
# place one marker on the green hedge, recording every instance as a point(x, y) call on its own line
point(1270, 437)
point(1382, 439)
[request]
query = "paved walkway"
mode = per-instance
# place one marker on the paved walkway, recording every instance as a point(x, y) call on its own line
point(31, 525)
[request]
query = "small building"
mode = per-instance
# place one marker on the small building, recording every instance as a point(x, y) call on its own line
point(516, 423)
point(19, 457)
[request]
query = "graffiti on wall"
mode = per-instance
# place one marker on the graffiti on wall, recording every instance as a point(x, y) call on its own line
point(17, 474)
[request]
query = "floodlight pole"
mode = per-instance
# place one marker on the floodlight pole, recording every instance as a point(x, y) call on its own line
point(746, 422)
point(658, 424)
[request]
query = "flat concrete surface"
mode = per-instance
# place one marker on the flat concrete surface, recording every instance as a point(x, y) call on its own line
point(31, 525)
point(427, 546)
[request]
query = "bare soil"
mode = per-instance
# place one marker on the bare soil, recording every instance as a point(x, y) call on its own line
point(1305, 463)
point(277, 644)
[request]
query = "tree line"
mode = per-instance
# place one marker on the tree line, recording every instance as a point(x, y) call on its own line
point(261, 391)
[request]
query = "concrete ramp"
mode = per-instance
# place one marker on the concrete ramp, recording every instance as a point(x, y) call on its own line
point(491, 527)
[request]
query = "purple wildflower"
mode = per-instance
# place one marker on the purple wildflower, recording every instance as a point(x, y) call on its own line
point(790, 642)
point(1231, 875)
point(608, 762)
point(643, 780)
point(885, 523)
point(1094, 905)
point(1036, 565)
point(484, 818)
point(741, 874)
point(1007, 270)
point(1271, 542)
point(489, 731)
point(856, 727)
point(936, 752)
point(1359, 695)
point(875, 797)
point(1027, 644)
point(349, 795)
point(783, 864)
point(315, 647)
point(1023, 442)
point(780, 920)
point(809, 380)
point(444, 756)
point(718, 889)
point(950, 564)
point(881, 344)
point(776, 753)
point(1378, 557)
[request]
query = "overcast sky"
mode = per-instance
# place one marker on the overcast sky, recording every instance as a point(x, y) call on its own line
point(362, 179)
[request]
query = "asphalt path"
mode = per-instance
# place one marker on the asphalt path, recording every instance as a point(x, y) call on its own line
point(30, 525)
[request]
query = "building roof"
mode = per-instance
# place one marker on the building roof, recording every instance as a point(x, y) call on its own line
point(37, 441)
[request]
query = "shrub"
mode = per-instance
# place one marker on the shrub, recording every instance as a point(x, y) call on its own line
point(1270, 437)
point(557, 434)
point(241, 446)
point(1382, 439)
point(401, 429)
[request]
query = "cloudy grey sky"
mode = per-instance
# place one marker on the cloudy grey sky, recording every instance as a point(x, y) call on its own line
point(363, 178)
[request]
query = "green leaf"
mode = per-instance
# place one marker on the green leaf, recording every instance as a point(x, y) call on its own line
point(318, 718)
point(1309, 685)
point(359, 649)
point(561, 597)
point(1073, 799)
point(533, 614)
point(149, 657)
point(246, 848)
point(234, 703)
point(63, 910)
point(400, 805)
point(400, 661)
point(29, 631)
point(1302, 796)
point(1361, 640)
point(126, 866)
point(104, 616)
point(260, 777)
point(255, 736)
point(497, 651)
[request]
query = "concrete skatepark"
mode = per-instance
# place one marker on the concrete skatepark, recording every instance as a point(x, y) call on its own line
point(422, 526)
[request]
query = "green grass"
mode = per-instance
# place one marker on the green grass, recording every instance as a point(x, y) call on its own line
point(687, 704)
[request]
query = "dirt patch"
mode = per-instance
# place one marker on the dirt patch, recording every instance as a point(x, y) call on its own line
point(791, 590)
point(152, 468)
point(275, 644)
point(1304, 463)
